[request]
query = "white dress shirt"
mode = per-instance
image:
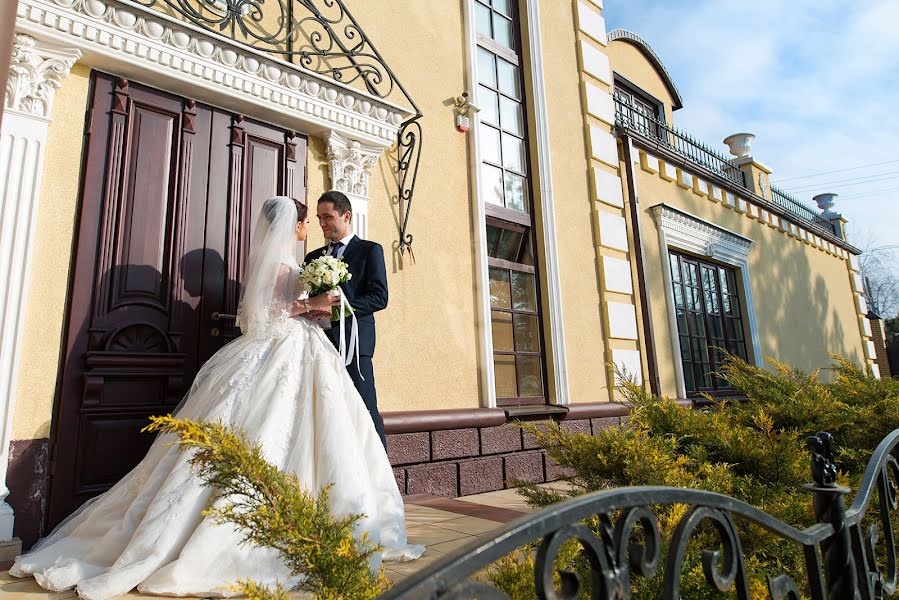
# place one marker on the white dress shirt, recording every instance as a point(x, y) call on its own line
point(345, 241)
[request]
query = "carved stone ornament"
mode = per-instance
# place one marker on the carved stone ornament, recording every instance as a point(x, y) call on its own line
point(156, 49)
point(36, 71)
point(349, 164)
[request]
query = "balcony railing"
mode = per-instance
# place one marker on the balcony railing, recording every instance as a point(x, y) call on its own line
point(793, 206)
point(635, 119)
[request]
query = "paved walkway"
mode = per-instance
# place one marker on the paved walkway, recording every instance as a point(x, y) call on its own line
point(441, 524)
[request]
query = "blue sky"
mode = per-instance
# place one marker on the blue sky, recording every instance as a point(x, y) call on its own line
point(817, 82)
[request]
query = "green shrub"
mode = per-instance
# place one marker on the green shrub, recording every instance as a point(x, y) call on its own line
point(752, 450)
point(272, 509)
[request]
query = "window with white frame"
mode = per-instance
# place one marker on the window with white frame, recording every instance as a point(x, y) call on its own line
point(709, 294)
point(503, 174)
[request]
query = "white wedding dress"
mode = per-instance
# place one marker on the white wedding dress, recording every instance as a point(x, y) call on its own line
point(286, 386)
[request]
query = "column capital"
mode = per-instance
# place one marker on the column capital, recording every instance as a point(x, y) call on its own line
point(350, 163)
point(36, 71)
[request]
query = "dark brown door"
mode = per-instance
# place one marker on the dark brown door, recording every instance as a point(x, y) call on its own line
point(169, 192)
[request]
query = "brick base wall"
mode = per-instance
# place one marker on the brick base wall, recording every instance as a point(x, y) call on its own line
point(472, 460)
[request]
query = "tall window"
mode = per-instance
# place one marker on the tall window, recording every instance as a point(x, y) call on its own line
point(709, 320)
point(504, 188)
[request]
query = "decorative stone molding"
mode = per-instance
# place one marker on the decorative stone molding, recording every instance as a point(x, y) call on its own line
point(635, 40)
point(740, 144)
point(349, 165)
point(685, 232)
point(700, 237)
point(147, 45)
point(35, 73)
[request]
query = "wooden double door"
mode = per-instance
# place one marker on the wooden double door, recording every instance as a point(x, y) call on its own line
point(170, 192)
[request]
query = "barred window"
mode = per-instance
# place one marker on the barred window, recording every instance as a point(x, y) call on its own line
point(709, 320)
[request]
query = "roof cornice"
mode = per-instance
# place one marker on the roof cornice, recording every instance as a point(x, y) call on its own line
point(635, 40)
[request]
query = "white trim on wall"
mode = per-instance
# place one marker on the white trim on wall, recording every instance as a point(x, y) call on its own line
point(479, 218)
point(544, 167)
point(36, 71)
point(682, 231)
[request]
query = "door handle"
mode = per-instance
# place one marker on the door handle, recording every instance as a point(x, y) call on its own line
point(217, 316)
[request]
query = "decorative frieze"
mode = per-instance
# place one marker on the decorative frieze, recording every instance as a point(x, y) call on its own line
point(153, 47)
point(349, 164)
point(36, 71)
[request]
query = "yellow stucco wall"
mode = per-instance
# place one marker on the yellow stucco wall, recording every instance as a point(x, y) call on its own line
point(630, 63)
point(427, 355)
point(45, 316)
point(577, 250)
point(804, 306)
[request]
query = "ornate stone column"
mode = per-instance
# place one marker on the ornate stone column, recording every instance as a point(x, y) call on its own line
point(36, 71)
point(349, 164)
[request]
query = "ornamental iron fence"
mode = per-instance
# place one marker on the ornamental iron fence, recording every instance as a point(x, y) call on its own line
point(635, 119)
point(840, 553)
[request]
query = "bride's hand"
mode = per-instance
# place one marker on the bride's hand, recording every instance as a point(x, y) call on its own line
point(323, 302)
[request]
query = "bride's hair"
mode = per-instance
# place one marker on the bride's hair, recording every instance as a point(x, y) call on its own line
point(271, 207)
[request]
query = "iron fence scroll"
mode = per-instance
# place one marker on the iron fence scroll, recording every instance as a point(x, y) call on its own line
point(842, 559)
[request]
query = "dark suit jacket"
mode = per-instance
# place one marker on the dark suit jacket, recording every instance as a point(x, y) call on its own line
point(366, 291)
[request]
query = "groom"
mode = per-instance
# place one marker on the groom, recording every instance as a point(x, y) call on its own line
point(366, 291)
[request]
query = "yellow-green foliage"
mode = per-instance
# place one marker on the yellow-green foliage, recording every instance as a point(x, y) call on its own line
point(272, 509)
point(751, 450)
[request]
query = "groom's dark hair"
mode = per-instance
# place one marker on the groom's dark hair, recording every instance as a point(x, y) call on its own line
point(341, 203)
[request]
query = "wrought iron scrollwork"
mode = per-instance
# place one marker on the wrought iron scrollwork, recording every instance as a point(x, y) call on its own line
point(321, 36)
point(623, 541)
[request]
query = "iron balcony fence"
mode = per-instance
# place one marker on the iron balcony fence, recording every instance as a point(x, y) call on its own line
point(635, 119)
point(793, 206)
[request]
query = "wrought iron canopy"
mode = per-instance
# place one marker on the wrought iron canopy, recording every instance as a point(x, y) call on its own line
point(320, 36)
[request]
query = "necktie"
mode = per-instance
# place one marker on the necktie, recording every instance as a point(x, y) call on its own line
point(335, 248)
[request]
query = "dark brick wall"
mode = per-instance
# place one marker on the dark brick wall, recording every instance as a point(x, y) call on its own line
point(472, 460)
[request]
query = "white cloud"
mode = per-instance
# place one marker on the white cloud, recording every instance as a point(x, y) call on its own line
point(816, 81)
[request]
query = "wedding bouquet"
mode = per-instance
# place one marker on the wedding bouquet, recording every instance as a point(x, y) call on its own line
point(324, 275)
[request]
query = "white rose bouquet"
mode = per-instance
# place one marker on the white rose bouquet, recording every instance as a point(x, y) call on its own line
point(324, 275)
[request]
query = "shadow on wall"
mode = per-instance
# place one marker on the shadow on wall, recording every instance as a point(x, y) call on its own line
point(797, 311)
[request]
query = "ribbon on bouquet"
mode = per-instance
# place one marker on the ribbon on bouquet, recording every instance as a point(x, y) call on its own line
point(345, 353)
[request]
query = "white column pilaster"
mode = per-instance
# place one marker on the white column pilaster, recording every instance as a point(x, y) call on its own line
point(349, 164)
point(36, 72)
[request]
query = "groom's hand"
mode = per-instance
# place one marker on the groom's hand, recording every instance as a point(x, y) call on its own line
point(315, 315)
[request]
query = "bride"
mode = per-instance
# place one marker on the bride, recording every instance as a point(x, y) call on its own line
point(284, 384)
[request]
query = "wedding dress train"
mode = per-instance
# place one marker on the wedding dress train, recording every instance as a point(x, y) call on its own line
point(286, 386)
